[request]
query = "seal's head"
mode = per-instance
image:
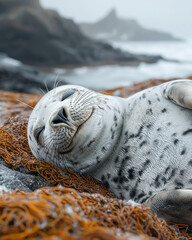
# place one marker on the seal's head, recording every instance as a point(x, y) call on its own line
point(74, 127)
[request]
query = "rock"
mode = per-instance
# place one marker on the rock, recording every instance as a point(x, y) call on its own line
point(37, 36)
point(111, 27)
point(14, 76)
point(26, 182)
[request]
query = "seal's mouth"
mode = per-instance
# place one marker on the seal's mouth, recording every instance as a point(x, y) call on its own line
point(78, 129)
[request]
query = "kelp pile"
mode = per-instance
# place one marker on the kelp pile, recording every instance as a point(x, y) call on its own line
point(66, 213)
point(79, 207)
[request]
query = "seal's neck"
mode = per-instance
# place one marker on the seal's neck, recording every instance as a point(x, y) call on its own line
point(112, 138)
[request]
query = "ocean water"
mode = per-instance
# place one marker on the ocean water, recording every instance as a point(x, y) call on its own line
point(105, 77)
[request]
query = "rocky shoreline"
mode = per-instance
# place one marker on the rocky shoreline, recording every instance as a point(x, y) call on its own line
point(51, 40)
point(17, 77)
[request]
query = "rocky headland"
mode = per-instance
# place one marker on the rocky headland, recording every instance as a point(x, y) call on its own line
point(114, 28)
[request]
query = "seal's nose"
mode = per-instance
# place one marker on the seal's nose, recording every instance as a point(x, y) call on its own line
point(61, 117)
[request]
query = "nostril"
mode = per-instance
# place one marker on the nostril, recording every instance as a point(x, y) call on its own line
point(61, 117)
point(63, 113)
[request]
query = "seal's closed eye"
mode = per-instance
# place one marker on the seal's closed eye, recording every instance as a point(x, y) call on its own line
point(67, 94)
point(37, 132)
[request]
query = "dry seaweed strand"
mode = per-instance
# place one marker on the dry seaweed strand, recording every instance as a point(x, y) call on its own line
point(62, 211)
point(127, 91)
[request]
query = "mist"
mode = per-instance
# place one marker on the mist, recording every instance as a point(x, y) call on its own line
point(173, 16)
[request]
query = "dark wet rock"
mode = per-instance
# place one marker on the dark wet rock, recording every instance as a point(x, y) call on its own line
point(111, 27)
point(14, 76)
point(19, 178)
point(38, 36)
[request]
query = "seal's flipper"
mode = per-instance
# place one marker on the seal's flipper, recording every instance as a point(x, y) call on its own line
point(179, 92)
point(173, 206)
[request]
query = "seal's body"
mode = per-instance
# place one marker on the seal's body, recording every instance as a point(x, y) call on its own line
point(139, 147)
point(154, 150)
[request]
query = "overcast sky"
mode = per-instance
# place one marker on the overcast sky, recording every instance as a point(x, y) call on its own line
point(173, 16)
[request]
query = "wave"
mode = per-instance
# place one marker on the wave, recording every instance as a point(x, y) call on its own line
point(105, 77)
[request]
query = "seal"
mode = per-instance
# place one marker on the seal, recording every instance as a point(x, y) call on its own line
point(139, 147)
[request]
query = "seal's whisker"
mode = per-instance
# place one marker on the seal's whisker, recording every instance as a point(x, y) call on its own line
point(88, 104)
point(88, 97)
point(57, 157)
point(58, 83)
point(48, 147)
point(53, 153)
point(48, 142)
point(89, 100)
point(24, 103)
point(84, 103)
point(85, 99)
point(42, 91)
point(55, 81)
point(84, 95)
point(46, 86)
point(78, 98)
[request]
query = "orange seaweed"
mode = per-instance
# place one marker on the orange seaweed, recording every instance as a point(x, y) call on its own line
point(78, 208)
